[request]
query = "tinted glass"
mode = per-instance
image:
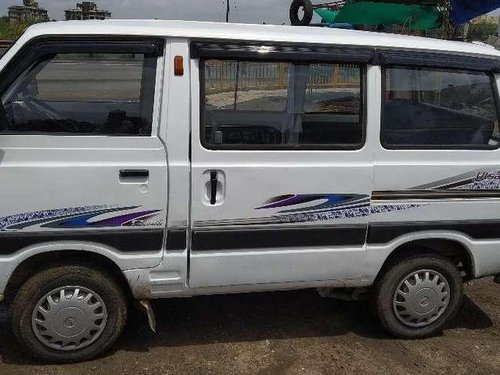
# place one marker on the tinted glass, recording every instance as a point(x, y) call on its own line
point(433, 107)
point(84, 93)
point(280, 104)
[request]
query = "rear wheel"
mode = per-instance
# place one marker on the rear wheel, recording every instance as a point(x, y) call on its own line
point(301, 6)
point(418, 295)
point(68, 313)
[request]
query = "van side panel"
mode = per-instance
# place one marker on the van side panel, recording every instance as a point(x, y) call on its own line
point(449, 193)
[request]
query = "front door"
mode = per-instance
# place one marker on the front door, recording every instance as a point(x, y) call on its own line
point(281, 175)
point(79, 156)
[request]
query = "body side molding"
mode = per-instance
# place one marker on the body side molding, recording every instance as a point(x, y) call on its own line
point(230, 239)
point(131, 240)
point(176, 239)
point(381, 233)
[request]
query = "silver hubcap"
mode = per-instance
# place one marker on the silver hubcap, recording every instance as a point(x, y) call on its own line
point(421, 298)
point(69, 318)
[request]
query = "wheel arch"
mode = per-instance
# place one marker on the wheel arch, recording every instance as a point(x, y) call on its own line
point(452, 247)
point(32, 264)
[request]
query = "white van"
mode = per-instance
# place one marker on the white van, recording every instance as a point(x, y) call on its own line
point(162, 159)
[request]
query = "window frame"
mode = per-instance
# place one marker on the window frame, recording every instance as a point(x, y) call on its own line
point(363, 67)
point(35, 49)
point(436, 147)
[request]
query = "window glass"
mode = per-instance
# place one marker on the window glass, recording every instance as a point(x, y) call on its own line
point(436, 107)
point(245, 86)
point(322, 96)
point(83, 93)
point(280, 104)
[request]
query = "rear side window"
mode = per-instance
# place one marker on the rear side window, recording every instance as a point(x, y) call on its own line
point(438, 108)
point(82, 93)
point(281, 105)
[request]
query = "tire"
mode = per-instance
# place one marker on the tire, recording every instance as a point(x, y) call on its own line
point(295, 20)
point(79, 283)
point(434, 307)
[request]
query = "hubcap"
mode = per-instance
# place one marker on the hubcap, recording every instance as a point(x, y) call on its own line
point(421, 298)
point(69, 318)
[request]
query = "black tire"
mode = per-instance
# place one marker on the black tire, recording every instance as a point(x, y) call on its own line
point(295, 20)
point(58, 276)
point(385, 289)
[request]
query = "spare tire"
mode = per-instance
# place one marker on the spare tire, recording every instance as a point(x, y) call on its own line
point(294, 12)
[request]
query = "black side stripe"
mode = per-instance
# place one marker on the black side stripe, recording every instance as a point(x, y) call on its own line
point(131, 240)
point(381, 233)
point(342, 235)
point(176, 239)
point(256, 238)
point(434, 194)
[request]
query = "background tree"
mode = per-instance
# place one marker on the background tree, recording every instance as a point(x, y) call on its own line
point(480, 31)
point(10, 31)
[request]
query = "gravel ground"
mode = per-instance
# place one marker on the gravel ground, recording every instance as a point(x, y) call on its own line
point(287, 332)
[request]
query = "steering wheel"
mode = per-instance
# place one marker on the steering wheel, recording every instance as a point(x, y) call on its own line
point(47, 112)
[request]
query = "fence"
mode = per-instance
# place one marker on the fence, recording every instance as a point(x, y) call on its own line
point(221, 75)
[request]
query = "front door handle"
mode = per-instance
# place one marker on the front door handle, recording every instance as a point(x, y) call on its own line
point(213, 187)
point(134, 173)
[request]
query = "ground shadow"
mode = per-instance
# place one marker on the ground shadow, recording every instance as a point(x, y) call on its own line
point(471, 316)
point(250, 317)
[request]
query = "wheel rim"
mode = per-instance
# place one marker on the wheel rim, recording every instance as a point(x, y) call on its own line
point(421, 298)
point(69, 318)
point(301, 13)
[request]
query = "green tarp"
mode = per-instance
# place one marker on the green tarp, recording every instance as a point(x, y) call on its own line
point(327, 15)
point(415, 17)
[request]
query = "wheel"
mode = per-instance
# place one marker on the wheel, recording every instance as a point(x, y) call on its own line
point(68, 313)
point(417, 295)
point(295, 7)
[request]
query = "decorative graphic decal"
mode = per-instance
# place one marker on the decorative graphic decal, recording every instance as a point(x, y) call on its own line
point(474, 180)
point(342, 213)
point(315, 207)
point(322, 201)
point(299, 208)
point(78, 217)
point(325, 207)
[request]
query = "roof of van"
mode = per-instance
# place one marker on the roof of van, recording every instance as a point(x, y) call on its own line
point(275, 33)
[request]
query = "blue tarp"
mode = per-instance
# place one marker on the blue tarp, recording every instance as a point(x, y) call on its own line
point(463, 11)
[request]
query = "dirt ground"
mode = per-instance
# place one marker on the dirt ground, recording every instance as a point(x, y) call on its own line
point(287, 332)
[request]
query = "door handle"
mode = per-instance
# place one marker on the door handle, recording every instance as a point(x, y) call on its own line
point(134, 173)
point(214, 191)
point(213, 187)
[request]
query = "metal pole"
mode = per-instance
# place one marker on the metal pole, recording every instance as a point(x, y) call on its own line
point(227, 10)
point(236, 84)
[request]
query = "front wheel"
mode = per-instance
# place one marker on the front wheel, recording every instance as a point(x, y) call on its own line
point(418, 295)
point(68, 313)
